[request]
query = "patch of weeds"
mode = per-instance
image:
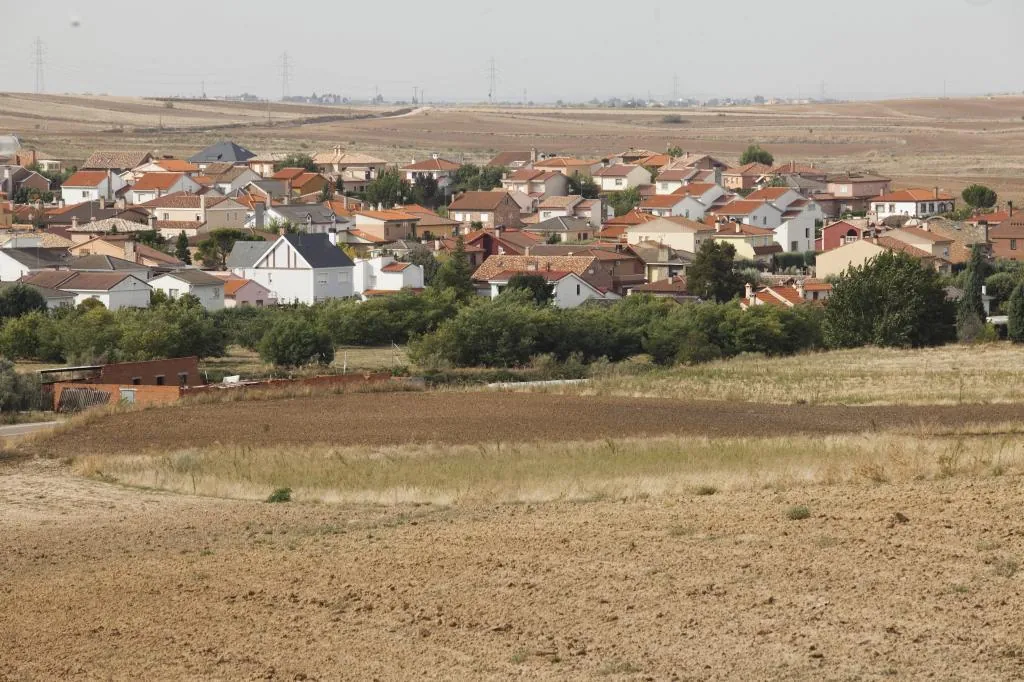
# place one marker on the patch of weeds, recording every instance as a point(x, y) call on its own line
point(680, 531)
point(826, 541)
point(206, 551)
point(519, 657)
point(998, 469)
point(988, 545)
point(1005, 567)
point(618, 668)
point(960, 588)
point(798, 513)
point(873, 472)
point(706, 490)
point(280, 495)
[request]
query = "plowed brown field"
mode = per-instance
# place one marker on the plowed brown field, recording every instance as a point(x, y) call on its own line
point(104, 582)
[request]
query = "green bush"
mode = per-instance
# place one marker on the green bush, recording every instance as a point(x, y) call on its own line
point(280, 495)
point(1015, 312)
point(292, 342)
point(1000, 286)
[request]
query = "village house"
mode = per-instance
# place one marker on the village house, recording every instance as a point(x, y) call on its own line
point(153, 185)
point(166, 165)
point(751, 243)
point(16, 262)
point(109, 264)
point(65, 217)
point(786, 296)
point(1007, 239)
point(389, 225)
point(490, 209)
point(118, 163)
point(205, 287)
point(227, 179)
point(574, 279)
point(514, 160)
point(221, 152)
point(676, 232)
point(744, 177)
point(14, 179)
point(310, 218)
point(115, 290)
point(533, 182)
point(384, 275)
point(55, 298)
point(924, 239)
point(572, 206)
point(502, 241)
point(297, 268)
point(842, 232)
point(674, 288)
point(625, 268)
point(430, 225)
point(853, 192)
point(264, 164)
point(242, 293)
point(440, 170)
point(751, 212)
point(352, 170)
point(670, 181)
point(913, 203)
point(569, 166)
point(173, 211)
point(800, 217)
point(85, 186)
point(125, 246)
point(299, 181)
point(620, 177)
point(661, 262)
point(855, 254)
point(563, 229)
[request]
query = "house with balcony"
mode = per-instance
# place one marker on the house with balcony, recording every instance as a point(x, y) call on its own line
point(915, 202)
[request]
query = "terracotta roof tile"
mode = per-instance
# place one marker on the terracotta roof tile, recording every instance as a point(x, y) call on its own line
point(86, 179)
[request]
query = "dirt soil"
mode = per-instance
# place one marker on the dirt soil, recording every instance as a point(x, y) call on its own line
point(396, 418)
point(103, 582)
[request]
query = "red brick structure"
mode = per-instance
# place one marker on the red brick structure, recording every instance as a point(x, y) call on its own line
point(172, 372)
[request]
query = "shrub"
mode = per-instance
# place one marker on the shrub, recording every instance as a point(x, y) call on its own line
point(18, 392)
point(1000, 287)
point(798, 513)
point(1015, 313)
point(673, 119)
point(280, 495)
point(292, 342)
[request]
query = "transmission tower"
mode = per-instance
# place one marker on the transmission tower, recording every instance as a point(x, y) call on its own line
point(286, 69)
point(493, 73)
point(37, 61)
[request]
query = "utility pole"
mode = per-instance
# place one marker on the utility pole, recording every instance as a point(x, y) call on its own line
point(202, 89)
point(285, 76)
point(675, 87)
point(37, 61)
point(493, 72)
point(414, 100)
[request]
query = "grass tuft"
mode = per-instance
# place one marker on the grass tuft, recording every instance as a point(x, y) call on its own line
point(798, 513)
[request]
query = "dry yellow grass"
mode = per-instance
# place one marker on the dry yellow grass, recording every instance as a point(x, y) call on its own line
point(948, 375)
point(537, 472)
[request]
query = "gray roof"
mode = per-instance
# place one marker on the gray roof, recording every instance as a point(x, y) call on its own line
point(274, 188)
point(560, 224)
point(98, 263)
point(222, 151)
point(297, 213)
point(40, 258)
point(245, 254)
point(318, 251)
point(196, 277)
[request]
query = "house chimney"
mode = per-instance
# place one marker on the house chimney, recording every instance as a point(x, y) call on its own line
point(718, 175)
point(737, 228)
point(74, 222)
point(800, 289)
point(152, 221)
point(129, 251)
point(103, 203)
point(1009, 207)
point(435, 156)
point(332, 236)
point(202, 205)
point(749, 292)
point(260, 214)
point(497, 232)
point(533, 155)
point(936, 192)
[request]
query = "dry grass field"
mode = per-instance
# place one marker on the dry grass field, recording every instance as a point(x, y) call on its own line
point(945, 142)
point(499, 535)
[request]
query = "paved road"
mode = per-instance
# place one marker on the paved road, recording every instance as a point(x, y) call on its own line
point(20, 430)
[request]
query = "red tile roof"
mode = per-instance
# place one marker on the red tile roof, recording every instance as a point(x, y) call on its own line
point(432, 165)
point(157, 181)
point(388, 216)
point(177, 166)
point(86, 179)
point(619, 170)
point(395, 267)
point(768, 193)
point(477, 201)
point(915, 194)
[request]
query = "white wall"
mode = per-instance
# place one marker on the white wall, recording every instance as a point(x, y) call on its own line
point(796, 230)
point(211, 297)
point(10, 269)
point(129, 293)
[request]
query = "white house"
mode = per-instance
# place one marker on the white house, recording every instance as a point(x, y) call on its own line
point(86, 186)
point(569, 289)
point(676, 232)
point(383, 275)
point(750, 212)
point(621, 176)
point(207, 288)
point(441, 170)
point(113, 289)
point(153, 185)
point(914, 202)
point(15, 263)
point(800, 217)
point(297, 268)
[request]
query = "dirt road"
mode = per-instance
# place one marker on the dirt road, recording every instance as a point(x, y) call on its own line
point(394, 418)
point(102, 582)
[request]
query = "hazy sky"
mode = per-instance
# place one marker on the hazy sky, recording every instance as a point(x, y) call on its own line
point(861, 49)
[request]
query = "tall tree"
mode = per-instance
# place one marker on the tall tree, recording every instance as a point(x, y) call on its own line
point(583, 186)
point(970, 312)
point(891, 300)
point(538, 287)
point(979, 196)
point(625, 201)
point(754, 154)
point(18, 299)
point(456, 273)
point(181, 251)
point(214, 250)
point(713, 274)
point(304, 161)
point(388, 190)
point(1015, 312)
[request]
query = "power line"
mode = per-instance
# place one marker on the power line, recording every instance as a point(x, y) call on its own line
point(38, 63)
point(493, 73)
point(286, 69)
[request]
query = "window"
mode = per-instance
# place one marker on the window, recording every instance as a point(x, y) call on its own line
point(136, 381)
point(577, 289)
point(794, 246)
point(85, 194)
point(764, 220)
point(167, 216)
point(1013, 245)
point(160, 379)
point(664, 185)
point(892, 208)
point(807, 233)
point(173, 293)
point(618, 182)
point(183, 378)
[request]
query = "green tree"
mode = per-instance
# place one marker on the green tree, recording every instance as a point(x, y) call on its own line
point(388, 190)
point(713, 274)
point(181, 251)
point(456, 274)
point(1000, 287)
point(293, 342)
point(625, 201)
point(540, 291)
point(674, 151)
point(979, 196)
point(304, 161)
point(472, 178)
point(215, 249)
point(891, 300)
point(754, 154)
point(18, 392)
point(970, 312)
point(422, 256)
point(19, 299)
point(327, 193)
point(1015, 313)
point(583, 186)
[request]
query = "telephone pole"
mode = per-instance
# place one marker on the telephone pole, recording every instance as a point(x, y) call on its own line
point(285, 76)
point(37, 61)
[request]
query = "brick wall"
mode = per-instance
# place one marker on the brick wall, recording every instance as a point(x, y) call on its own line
point(142, 395)
point(148, 372)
